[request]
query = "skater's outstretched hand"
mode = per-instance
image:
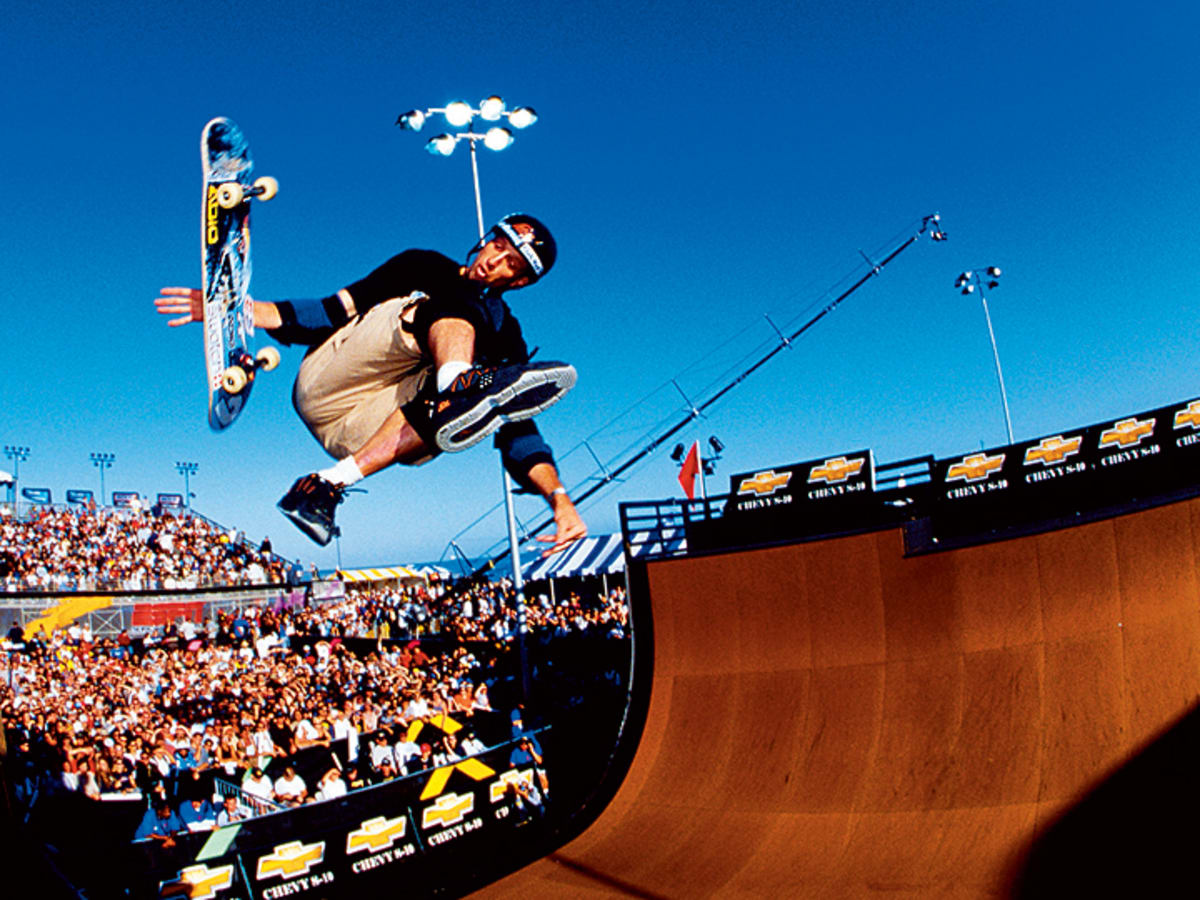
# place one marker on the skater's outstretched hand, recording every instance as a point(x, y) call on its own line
point(569, 527)
point(185, 303)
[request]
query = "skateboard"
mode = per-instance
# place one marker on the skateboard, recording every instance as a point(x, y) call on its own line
point(225, 243)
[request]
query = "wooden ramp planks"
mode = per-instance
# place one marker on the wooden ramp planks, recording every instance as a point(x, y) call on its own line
point(831, 719)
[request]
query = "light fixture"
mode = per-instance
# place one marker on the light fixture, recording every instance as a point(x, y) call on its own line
point(413, 120)
point(458, 113)
point(522, 117)
point(442, 145)
point(491, 109)
point(497, 138)
point(677, 453)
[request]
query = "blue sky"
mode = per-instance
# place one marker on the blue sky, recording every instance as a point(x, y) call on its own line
point(702, 166)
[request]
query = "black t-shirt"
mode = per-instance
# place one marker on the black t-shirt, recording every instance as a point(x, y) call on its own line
point(448, 295)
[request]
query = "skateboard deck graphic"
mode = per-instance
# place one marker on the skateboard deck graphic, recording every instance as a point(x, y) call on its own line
point(229, 355)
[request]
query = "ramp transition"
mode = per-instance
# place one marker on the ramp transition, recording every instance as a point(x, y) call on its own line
point(834, 719)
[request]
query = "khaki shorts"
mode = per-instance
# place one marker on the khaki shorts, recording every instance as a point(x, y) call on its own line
point(365, 371)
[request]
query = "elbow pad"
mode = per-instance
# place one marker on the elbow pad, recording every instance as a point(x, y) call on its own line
point(522, 447)
point(307, 321)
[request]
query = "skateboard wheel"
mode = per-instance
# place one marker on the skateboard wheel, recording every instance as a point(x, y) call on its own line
point(234, 379)
point(266, 187)
point(268, 358)
point(230, 194)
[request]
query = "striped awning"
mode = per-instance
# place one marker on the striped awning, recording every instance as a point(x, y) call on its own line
point(657, 542)
point(599, 555)
point(390, 573)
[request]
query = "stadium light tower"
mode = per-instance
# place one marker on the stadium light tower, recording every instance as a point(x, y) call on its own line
point(18, 455)
point(983, 280)
point(461, 115)
point(187, 470)
point(102, 461)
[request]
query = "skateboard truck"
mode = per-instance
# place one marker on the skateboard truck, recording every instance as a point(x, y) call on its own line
point(231, 193)
point(235, 378)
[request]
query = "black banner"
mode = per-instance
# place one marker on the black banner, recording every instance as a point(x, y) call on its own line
point(360, 843)
point(170, 501)
point(126, 499)
point(78, 495)
point(36, 495)
point(819, 481)
point(1088, 468)
point(819, 496)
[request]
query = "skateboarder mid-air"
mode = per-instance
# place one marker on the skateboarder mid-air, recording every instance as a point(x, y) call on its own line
point(421, 356)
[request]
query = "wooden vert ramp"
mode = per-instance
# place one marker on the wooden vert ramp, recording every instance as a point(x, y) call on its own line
point(834, 719)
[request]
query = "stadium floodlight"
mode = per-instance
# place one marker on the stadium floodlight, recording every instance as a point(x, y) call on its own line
point(102, 461)
point(522, 117)
point(18, 455)
point(497, 138)
point(491, 109)
point(442, 145)
point(413, 120)
point(458, 113)
point(187, 470)
point(967, 282)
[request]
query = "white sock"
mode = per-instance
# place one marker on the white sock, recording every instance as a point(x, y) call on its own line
point(344, 473)
point(448, 372)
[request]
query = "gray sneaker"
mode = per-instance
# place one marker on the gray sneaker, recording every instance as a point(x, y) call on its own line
point(482, 399)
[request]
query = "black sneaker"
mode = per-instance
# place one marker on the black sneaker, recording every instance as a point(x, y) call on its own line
point(311, 504)
point(480, 400)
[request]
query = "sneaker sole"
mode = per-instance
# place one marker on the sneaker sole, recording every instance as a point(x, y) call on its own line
point(316, 533)
point(534, 392)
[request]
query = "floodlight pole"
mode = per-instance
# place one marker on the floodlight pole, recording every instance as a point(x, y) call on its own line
point(102, 461)
point(506, 482)
point(967, 282)
point(514, 543)
point(18, 455)
point(187, 470)
point(999, 372)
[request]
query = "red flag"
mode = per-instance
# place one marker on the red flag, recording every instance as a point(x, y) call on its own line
point(689, 471)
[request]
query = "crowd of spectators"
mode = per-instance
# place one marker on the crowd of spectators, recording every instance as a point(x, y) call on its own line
point(159, 716)
point(91, 548)
point(486, 612)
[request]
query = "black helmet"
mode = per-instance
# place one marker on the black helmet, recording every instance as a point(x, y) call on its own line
point(537, 246)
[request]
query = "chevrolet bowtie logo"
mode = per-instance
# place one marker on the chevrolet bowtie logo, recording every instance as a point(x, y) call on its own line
point(513, 776)
point(1052, 449)
point(291, 859)
point(976, 467)
point(764, 483)
point(1189, 417)
point(199, 882)
point(448, 810)
point(471, 767)
point(376, 834)
point(836, 470)
point(1127, 432)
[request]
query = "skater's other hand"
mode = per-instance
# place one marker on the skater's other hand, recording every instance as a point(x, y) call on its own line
point(568, 528)
point(186, 303)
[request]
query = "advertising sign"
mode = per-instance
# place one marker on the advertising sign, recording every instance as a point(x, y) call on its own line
point(347, 848)
point(1070, 472)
